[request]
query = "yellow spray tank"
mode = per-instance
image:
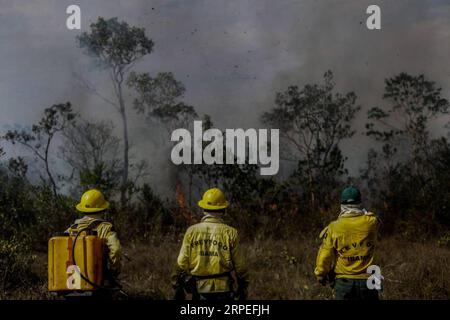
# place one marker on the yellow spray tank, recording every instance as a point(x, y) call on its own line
point(75, 263)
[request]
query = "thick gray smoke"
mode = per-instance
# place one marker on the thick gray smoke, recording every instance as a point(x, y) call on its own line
point(232, 56)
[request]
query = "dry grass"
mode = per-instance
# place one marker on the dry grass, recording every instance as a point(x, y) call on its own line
point(280, 269)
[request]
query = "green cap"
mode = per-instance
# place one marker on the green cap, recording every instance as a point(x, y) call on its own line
point(350, 195)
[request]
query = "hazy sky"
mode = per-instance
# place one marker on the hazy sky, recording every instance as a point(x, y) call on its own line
point(232, 55)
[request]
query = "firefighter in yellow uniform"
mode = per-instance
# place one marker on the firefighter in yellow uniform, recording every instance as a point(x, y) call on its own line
point(209, 254)
point(94, 205)
point(347, 250)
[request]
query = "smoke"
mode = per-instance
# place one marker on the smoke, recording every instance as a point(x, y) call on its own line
point(232, 56)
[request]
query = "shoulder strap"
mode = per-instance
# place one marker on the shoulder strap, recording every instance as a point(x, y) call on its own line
point(94, 224)
point(89, 229)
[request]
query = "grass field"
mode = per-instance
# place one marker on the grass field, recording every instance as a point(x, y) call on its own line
point(280, 269)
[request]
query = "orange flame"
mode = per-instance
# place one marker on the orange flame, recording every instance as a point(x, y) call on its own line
point(181, 201)
point(179, 196)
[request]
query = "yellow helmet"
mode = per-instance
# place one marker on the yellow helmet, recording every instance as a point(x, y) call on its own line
point(92, 201)
point(213, 199)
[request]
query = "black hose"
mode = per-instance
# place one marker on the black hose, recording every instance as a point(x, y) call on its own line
point(85, 278)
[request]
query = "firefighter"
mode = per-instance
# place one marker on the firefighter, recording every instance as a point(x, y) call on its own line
point(209, 254)
point(347, 249)
point(94, 205)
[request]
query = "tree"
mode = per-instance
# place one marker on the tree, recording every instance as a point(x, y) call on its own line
point(90, 148)
point(411, 171)
point(117, 46)
point(56, 119)
point(437, 190)
point(313, 121)
point(159, 99)
point(413, 102)
point(18, 167)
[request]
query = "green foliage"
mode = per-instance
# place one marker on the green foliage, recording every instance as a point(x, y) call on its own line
point(415, 96)
point(18, 167)
point(32, 212)
point(436, 189)
point(413, 102)
point(117, 46)
point(55, 119)
point(418, 179)
point(156, 94)
point(313, 121)
point(149, 215)
point(90, 148)
point(114, 43)
point(156, 214)
point(99, 177)
point(15, 259)
point(159, 99)
point(29, 216)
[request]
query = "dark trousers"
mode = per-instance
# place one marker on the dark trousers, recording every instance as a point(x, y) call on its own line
point(354, 289)
point(216, 296)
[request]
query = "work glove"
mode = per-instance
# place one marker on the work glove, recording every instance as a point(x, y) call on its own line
point(177, 279)
point(330, 279)
point(322, 280)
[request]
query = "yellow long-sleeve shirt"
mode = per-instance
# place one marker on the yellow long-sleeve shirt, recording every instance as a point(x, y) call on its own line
point(106, 232)
point(211, 248)
point(348, 246)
